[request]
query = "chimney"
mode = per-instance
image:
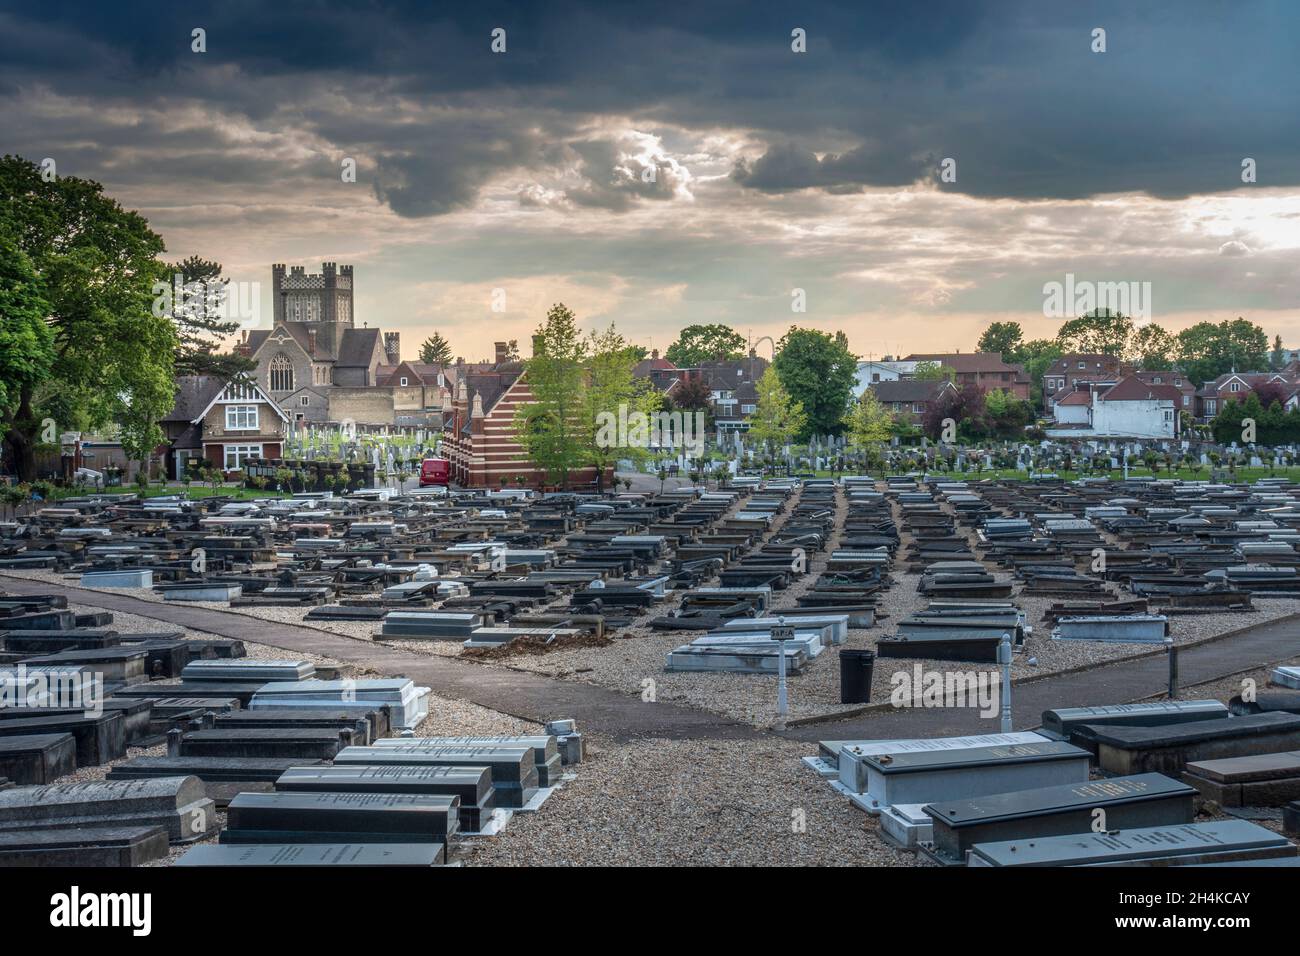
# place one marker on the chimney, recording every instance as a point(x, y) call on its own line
point(476, 416)
point(654, 353)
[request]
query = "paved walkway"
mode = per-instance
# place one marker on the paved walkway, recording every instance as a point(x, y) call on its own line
point(626, 717)
point(1121, 682)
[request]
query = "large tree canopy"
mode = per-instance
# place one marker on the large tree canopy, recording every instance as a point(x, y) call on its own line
point(819, 372)
point(705, 343)
point(94, 266)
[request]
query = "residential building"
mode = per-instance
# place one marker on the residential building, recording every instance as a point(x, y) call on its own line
point(221, 423)
point(1130, 408)
point(985, 370)
point(871, 372)
point(909, 399)
point(1080, 368)
point(1238, 386)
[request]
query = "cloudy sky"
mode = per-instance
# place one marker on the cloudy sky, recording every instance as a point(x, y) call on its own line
point(661, 164)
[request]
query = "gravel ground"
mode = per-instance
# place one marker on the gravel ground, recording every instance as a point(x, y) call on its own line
point(686, 803)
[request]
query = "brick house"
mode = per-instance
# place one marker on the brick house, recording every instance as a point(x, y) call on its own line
point(909, 399)
point(221, 422)
point(983, 369)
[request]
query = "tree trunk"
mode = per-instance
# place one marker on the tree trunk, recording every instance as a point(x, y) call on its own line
point(23, 449)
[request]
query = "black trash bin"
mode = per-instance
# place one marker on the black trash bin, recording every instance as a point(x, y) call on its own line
point(855, 676)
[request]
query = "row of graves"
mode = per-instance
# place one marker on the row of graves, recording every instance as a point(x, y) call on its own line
point(758, 551)
point(1117, 559)
point(968, 612)
point(308, 767)
point(482, 568)
point(1173, 546)
point(1170, 783)
point(1167, 783)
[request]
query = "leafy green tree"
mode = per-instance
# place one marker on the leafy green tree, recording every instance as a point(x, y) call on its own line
point(869, 426)
point(705, 343)
point(551, 428)
point(819, 372)
point(26, 343)
point(435, 350)
point(610, 386)
point(778, 417)
point(95, 264)
point(934, 372)
point(1004, 338)
point(1037, 356)
point(1206, 350)
point(1153, 349)
point(1099, 331)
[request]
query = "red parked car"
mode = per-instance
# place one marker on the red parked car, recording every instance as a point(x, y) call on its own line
point(435, 471)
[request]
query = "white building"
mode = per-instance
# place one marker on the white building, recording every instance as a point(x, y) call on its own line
point(886, 370)
point(1129, 409)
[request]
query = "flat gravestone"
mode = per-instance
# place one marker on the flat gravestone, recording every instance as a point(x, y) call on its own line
point(177, 804)
point(1144, 800)
point(845, 757)
point(514, 769)
point(926, 776)
point(307, 743)
point(319, 854)
point(99, 739)
point(472, 785)
point(287, 817)
point(1189, 844)
point(248, 670)
point(545, 747)
point(1259, 780)
point(1125, 750)
point(83, 846)
point(1061, 722)
point(38, 759)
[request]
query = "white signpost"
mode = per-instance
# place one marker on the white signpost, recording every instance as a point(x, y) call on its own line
point(781, 633)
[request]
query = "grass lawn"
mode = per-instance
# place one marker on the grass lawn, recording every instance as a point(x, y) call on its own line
point(195, 490)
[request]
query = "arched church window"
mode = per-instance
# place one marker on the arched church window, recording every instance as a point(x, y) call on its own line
point(281, 374)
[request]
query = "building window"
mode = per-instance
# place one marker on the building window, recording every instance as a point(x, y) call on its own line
point(403, 381)
point(918, 407)
point(1211, 406)
point(236, 455)
point(748, 409)
point(1235, 387)
point(238, 391)
point(1186, 400)
point(304, 400)
point(1169, 414)
point(281, 374)
point(241, 418)
point(1157, 380)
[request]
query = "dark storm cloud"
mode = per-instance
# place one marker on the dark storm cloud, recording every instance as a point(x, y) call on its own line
point(1011, 89)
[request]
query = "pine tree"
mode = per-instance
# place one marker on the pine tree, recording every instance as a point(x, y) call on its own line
point(435, 350)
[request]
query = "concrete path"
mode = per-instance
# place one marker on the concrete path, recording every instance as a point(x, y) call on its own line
point(1121, 682)
point(626, 717)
